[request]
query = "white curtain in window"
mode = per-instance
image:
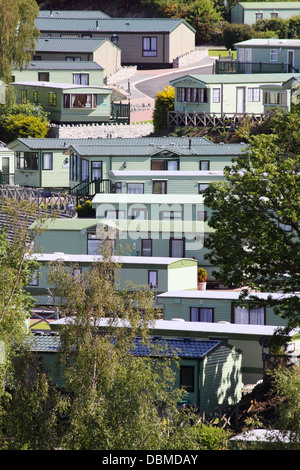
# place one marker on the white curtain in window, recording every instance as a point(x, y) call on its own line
point(241, 315)
point(172, 165)
point(47, 161)
point(84, 170)
point(257, 316)
point(194, 313)
point(177, 248)
point(153, 278)
point(135, 188)
point(146, 44)
point(76, 78)
point(206, 314)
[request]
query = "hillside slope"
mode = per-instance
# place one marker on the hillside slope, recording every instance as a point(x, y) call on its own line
point(115, 9)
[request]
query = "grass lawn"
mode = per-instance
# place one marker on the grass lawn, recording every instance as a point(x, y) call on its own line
point(221, 52)
point(39, 325)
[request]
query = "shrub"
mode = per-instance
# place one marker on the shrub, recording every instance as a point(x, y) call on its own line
point(19, 125)
point(163, 103)
point(233, 33)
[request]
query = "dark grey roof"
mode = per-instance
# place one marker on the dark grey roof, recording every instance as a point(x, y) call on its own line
point(183, 347)
point(72, 14)
point(135, 146)
point(69, 44)
point(62, 65)
point(114, 25)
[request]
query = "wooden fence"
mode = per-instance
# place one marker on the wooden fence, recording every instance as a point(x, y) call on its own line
point(177, 119)
point(63, 203)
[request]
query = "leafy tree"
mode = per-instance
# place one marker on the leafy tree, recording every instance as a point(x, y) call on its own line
point(255, 217)
point(31, 409)
point(15, 272)
point(117, 399)
point(164, 102)
point(15, 126)
point(278, 25)
point(233, 33)
point(18, 35)
point(22, 120)
point(286, 383)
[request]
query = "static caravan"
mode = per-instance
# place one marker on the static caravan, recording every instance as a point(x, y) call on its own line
point(157, 224)
point(208, 370)
point(271, 55)
point(169, 158)
point(225, 94)
point(145, 42)
point(74, 72)
point(99, 50)
point(42, 163)
point(251, 12)
point(67, 103)
point(245, 337)
point(220, 305)
point(160, 273)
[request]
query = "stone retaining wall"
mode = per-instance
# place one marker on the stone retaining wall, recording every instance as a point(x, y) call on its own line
point(93, 131)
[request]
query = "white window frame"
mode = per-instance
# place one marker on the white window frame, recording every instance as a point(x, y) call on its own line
point(253, 95)
point(273, 55)
point(216, 95)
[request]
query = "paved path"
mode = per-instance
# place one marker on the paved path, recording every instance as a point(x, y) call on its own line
point(144, 85)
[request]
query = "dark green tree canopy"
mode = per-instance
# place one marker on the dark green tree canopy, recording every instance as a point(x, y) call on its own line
point(255, 217)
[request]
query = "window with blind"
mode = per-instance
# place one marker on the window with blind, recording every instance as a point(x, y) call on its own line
point(47, 159)
point(193, 95)
point(153, 278)
point(162, 165)
point(135, 188)
point(159, 187)
point(177, 247)
point(248, 316)
point(80, 78)
point(146, 246)
point(149, 47)
point(201, 314)
point(253, 95)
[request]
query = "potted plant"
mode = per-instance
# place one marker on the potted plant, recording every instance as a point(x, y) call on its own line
point(202, 276)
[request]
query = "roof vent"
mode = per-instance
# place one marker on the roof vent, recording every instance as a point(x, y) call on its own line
point(178, 319)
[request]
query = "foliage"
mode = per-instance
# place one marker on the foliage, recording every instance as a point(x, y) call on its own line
point(105, 381)
point(284, 29)
point(256, 217)
point(164, 102)
point(86, 210)
point(22, 120)
point(199, 436)
point(278, 25)
point(233, 33)
point(202, 15)
point(30, 412)
point(18, 35)
point(286, 385)
point(202, 275)
point(26, 109)
point(18, 126)
point(15, 272)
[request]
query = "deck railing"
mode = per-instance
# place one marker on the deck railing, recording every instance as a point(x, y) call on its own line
point(7, 178)
point(62, 203)
point(88, 188)
point(186, 119)
point(234, 67)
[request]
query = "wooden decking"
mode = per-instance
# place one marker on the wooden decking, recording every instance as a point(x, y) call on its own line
point(177, 119)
